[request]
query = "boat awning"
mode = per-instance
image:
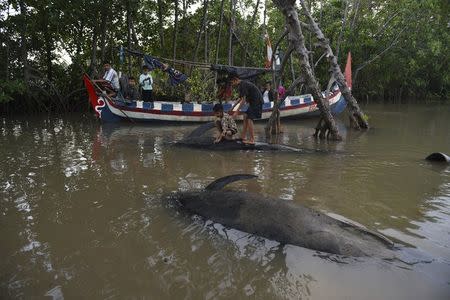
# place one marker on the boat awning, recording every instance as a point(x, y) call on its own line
point(241, 72)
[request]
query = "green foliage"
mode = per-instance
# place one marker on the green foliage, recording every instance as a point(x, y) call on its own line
point(407, 38)
point(366, 117)
point(9, 89)
point(201, 87)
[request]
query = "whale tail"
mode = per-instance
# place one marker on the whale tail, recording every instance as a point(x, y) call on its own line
point(220, 183)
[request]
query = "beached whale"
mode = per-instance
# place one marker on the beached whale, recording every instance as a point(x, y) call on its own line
point(281, 220)
point(197, 139)
point(438, 157)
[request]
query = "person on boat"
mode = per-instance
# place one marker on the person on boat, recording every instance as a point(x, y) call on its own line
point(111, 76)
point(268, 93)
point(146, 82)
point(281, 91)
point(248, 92)
point(131, 93)
point(226, 126)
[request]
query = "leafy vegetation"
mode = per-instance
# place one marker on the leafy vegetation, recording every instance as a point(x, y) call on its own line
point(399, 48)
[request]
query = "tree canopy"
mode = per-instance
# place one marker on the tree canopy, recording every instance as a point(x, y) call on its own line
point(399, 48)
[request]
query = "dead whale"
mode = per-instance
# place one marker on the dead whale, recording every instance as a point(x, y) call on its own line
point(197, 139)
point(438, 157)
point(281, 220)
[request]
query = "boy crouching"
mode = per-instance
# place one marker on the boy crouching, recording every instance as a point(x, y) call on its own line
point(226, 126)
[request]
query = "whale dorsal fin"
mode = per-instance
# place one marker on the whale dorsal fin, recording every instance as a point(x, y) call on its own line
point(218, 184)
point(202, 129)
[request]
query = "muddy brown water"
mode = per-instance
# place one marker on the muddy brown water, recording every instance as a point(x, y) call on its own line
point(82, 211)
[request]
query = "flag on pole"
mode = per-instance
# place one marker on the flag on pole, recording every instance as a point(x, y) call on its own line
point(268, 63)
point(348, 71)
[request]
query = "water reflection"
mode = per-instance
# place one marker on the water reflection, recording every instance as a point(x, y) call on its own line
point(82, 212)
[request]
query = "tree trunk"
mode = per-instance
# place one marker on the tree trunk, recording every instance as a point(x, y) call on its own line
point(129, 35)
point(272, 123)
point(220, 33)
point(249, 30)
point(352, 105)
point(105, 16)
point(291, 62)
point(206, 36)
point(79, 41)
point(231, 32)
point(297, 40)
point(161, 25)
point(175, 31)
point(344, 22)
point(274, 50)
point(185, 28)
point(23, 41)
point(216, 60)
point(93, 66)
point(48, 53)
point(202, 27)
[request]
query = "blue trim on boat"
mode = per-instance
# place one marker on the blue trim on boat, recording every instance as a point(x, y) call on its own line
point(147, 105)
point(207, 107)
point(166, 107)
point(187, 107)
point(295, 102)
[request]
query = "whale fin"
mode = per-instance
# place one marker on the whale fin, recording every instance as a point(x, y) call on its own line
point(202, 129)
point(218, 184)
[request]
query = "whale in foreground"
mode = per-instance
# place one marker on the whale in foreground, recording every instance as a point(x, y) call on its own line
point(282, 221)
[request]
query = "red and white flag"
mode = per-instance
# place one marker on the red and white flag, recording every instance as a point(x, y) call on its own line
point(268, 63)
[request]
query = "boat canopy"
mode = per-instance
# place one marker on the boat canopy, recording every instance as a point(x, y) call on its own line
point(176, 77)
point(241, 72)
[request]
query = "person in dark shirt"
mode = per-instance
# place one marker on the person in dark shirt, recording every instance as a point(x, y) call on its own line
point(248, 92)
point(131, 93)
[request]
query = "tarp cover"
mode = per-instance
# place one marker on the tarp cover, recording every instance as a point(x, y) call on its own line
point(241, 72)
point(175, 76)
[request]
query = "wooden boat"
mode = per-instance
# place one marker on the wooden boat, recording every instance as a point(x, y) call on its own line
point(114, 110)
point(111, 110)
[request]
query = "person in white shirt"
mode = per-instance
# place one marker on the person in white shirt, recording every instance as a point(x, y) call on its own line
point(111, 76)
point(268, 93)
point(146, 82)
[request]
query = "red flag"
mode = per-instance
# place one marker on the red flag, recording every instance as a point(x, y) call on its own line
point(348, 71)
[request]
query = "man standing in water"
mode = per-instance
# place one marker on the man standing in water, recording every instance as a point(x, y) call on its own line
point(248, 92)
